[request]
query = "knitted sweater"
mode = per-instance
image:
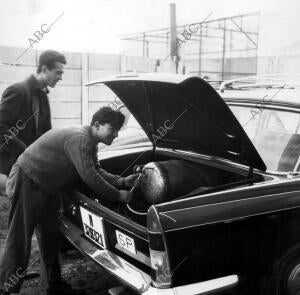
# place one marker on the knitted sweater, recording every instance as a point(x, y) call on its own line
point(58, 157)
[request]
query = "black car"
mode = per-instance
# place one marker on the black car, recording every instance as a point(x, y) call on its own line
point(217, 205)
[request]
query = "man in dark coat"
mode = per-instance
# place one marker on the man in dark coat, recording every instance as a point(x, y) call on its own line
point(25, 111)
point(53, 162)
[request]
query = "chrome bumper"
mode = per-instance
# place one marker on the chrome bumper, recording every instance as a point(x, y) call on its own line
point(132, 276)
point(124, 271)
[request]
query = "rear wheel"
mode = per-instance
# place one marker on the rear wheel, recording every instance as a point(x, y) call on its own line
point(285, 278)
point(292, 284)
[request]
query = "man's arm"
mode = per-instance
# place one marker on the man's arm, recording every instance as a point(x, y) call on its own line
point(10, 109)
point(115, 180)
point(80, 152)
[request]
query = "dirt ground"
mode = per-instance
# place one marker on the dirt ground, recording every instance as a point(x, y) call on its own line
point(76, 270)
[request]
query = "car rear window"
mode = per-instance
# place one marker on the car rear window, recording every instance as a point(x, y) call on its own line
point(274, 133)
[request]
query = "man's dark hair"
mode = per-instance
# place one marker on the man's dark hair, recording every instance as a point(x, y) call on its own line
point(110, 116)
point(48, 58)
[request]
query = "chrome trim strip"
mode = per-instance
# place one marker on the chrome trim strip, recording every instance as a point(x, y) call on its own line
point(276, 105)
point(220, 207)
point(234, 201)
point(197, 288)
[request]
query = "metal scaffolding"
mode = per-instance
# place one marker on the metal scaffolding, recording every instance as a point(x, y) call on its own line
point(212, 50)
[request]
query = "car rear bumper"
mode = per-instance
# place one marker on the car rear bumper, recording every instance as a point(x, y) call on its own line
point(129, 274)
point(124, 271)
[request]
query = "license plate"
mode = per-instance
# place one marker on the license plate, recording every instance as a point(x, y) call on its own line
point(93, 227)
point(126, 242)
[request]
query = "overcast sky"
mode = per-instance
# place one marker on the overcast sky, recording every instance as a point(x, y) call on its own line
point(95, 25)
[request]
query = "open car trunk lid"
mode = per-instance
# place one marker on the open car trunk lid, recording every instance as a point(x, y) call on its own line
point(185, 113)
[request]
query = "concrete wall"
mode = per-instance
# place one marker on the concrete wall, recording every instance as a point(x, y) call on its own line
point(287, 64)
point(246, 66)
point(233, 67)
point(71, 101)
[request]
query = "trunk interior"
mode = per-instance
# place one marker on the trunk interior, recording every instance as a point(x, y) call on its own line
point(171, 177)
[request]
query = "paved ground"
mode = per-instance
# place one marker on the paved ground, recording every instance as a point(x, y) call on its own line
point(76, 270)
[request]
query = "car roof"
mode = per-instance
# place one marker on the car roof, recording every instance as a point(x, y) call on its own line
point(277, 89)
point(284, 96)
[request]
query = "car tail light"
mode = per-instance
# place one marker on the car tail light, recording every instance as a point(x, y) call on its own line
point(158, 251)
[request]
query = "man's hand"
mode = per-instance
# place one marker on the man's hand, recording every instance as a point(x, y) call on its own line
point(125, 196)
point(130, 180)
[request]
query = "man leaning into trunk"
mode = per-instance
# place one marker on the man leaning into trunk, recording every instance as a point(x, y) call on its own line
point(55, 161)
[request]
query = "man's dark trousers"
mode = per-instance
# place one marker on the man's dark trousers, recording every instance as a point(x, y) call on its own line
point(31, 208)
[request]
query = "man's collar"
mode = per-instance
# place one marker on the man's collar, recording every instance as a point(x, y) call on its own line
point(36, 86)
point(88, 129)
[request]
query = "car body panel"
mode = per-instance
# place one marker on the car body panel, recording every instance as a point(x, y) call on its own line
point(227, 206)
